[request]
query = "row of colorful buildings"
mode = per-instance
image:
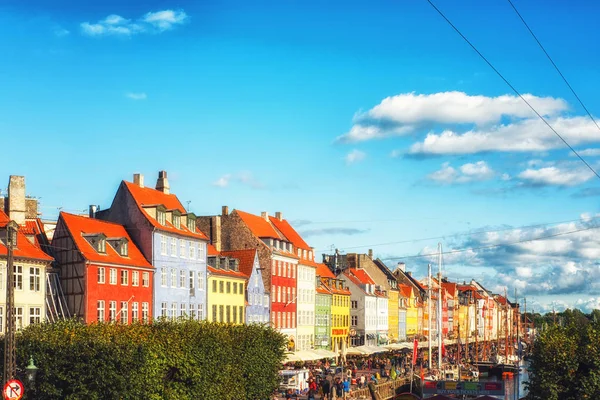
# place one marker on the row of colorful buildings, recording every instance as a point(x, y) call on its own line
point(149, 257)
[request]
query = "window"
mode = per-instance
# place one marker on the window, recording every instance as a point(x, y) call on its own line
point(293, 295)
point(124, 314)
point(182, 278)
point(102, 245)
point(18, 284)
point(228, 313)
point(173, 310)
point(113, 276)
point(163, 309)
point(182, 251)
point(288, 319)
point(191, 224)
point(173, 277)
point(112, 311)
point(200, 311)
point(161, 216)
point(182, 310)
point(241, 285)
point(354, 304)
point(354, 320)
point(214, 313)
point(135, 312)
point(192, 280)
point(235, 314)
point(163, 245)
point(135, 278)
point(200, 251)
point(241, 313)
point(293, 271)
point(289, 294)
point(123, 248)
point(284, 272)
point(35, 315)
point(163, 276)
point(235, 288)
point(279, 294)
point(100, 310)
point(124, 277)
point(34, 279)
point(176, 221)
point(228, 288)
point(101, 275)
point(221, 312)
point(145, 312)
point(19, 317)
point(214, 286)
point(279, 318)
point(145, 279)
point(200, 281)
point(192, 250)
point(220, 286)
point(1, 319)
point(173, 247)
point(274, 267)
point(192, 311)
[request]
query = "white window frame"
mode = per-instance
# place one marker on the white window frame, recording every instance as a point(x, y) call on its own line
point(101, 275)
point(145, 279)
point(135, 278)
point(34, 279)
point(145, 311)
point(18, 277)
point(163, 245)
point(135, 310)
point(192, 250)
point(124, 277)
point(173, 277)
point(35, 317)
point(182, 278)
point(112, 311)
point(124, 313)
point(101, 311)
point(182, 249)
point(112, 276)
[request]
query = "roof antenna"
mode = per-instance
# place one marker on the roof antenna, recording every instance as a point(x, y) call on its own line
point(188, 205)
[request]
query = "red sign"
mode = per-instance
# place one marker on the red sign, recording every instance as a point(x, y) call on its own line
point(338, 332)
point(13, 390)
point(415, 347)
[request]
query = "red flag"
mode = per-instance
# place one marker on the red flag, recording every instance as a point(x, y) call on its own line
point(415, 347)
point(443, 350)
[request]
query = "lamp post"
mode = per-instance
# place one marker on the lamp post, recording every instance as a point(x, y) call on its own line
point(10, 354)
point(31, 371)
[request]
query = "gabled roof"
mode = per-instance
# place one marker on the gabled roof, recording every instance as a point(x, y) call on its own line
point(226, 272)
point(450, 288)
point(211, 250)
point(405, 290)
point(290, 233)
point(259, 226)
point(322, 289)
point(362, 276)
point(145, 197)
point(384, 268)
point(246, 258)
point(24, 248)
point(501, 299)
point(78, 226)
point(324, 272)
point(354, 280)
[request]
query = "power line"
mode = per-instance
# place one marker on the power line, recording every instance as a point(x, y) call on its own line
point(513, 88)
point(465, 234)
point(456, 251)
point(553, 63)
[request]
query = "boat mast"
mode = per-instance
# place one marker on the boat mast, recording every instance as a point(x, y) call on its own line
point(505, 327)
point(429, 312)
point(439, 330)
point(476, 330)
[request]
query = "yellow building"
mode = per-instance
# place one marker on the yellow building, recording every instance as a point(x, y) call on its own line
point(340, 314)
point(226, 297)
point(393, 311)
point(412, 311)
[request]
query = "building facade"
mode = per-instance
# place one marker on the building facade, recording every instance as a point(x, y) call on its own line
point(322, 318)
point(168, 237)
point(363, 306)
point(103, 274)
point(226, 289)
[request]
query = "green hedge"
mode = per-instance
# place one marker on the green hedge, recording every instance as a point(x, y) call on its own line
point(164, 360)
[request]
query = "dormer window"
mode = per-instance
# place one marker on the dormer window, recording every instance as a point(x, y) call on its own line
point(161, 215)
point(177, 219)
point(191, 222)
point(97, 241)
point(120, 245)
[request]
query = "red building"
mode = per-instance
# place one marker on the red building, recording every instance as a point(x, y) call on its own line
point(103, 274)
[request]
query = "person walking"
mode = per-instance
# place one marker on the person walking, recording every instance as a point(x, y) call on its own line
point(339, 388)
point(312, 389)
point(346, 388)
point(326, 386)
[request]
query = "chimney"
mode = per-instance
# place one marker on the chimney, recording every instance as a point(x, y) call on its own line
point(409, 273)
point(264, 215)
point(162, 184)
point(278, 215)
point(225, 211)
point(138, 179)
point(402, 266)
point(215, 231)
point(371, 254)
point(93, 209)
point(16, 199)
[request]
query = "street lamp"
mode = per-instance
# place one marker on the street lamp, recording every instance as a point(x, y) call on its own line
point(31, 371)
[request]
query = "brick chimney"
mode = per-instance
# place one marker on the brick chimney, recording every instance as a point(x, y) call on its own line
point(16, 199)
point(224, 211)
point(162, 183)
point(278, 215)
point(138, 179)
point(371, 254)
point(402, 266)
point(92, 211)
point(215, 231)
point(264, 215)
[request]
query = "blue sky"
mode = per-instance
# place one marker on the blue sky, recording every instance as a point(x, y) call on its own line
point(280, 106)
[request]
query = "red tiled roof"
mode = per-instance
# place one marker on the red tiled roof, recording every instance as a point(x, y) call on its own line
point(78, 226)
point(362, 276)
point(290, 233)
point(33, 227)
point(211, 250)
point(450, 288)
point(145, 196)
point(246, 258)
point(226, 272)
point(466, 288)
point(259, 226)
point(322, 290)
point(405, 290)
point(324, 272)
point(24, 248)
point(501, 299)
point(354, 280)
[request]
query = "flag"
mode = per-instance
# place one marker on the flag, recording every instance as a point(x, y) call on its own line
point(443, 350)
point(415, 347)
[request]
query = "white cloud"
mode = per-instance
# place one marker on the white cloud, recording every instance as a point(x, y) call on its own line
point(355, 156)
point(588, 305)
point(151, 22)
point(587, 153)
point(530, 135)
point(478, 171)
point(61, 32)
point(505, 177)
point(243, 178)
point(557, 176)
point(136, 96)
point(166, 19)
point(402, 114)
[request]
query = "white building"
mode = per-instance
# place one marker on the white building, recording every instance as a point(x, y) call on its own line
point(364, 317)
point(382, 317)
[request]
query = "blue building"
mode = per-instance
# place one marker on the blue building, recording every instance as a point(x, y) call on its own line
point(168, 237)
point(257, 299)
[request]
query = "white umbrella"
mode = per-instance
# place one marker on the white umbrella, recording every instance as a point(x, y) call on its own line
point(291, 357)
